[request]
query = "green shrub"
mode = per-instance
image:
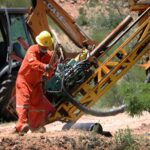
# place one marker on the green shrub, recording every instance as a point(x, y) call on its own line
point(15, 3)
point(137, 97)
point(82, 20)
point(111, 98)
point(130, 90)
point(125, 140)
point(93, 3)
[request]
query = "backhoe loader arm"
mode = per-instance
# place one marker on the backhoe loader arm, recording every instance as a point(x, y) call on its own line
point(37, 21)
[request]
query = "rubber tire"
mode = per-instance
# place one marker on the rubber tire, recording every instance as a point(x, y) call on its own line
point(6, 88)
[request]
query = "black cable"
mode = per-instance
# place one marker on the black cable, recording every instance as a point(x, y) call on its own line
point(99, 113)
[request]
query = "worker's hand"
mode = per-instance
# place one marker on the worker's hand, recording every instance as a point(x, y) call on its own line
point(48, 67)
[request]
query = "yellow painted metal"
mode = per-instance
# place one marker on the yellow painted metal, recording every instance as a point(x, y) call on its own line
point(145, 32)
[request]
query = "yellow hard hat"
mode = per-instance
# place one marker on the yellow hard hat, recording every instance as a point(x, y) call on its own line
point(44, 39)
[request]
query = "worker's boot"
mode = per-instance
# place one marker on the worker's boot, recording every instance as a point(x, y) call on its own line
point(42, 130)
point(39, 130)
point(25, 128)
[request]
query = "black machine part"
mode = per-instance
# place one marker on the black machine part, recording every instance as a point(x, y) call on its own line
point(86, 126)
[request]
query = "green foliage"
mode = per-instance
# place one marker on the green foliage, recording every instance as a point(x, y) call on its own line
point(102, 25)
point(113, 20)
point(93, 3)
point(15, 3)
point(135, 74)
point(137, 97)
point(125, 140)
point(130, 90)
point(99, 36)
point(111, 98)
point(102, 19)
point(82, 20)
point(111, 16)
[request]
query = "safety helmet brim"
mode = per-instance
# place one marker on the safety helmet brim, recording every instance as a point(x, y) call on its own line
point(41, 44)
point(44, 39)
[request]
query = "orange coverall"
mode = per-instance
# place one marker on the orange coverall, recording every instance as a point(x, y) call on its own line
point(31, 105)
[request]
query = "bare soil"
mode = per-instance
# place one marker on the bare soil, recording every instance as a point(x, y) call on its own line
point(57, 139)
point(72, 6)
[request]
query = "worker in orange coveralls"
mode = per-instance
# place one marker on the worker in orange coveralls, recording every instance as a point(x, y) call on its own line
point(31, 105)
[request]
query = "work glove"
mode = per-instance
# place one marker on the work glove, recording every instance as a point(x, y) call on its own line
point(48, 67)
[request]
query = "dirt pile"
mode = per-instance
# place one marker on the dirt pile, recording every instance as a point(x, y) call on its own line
point(54, 141)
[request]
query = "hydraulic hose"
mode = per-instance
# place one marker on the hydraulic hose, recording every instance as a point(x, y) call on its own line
point(86, 110)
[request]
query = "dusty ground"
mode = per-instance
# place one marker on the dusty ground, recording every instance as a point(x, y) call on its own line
point(56, 139)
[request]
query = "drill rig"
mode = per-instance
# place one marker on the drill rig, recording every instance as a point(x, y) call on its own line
point(78, 83)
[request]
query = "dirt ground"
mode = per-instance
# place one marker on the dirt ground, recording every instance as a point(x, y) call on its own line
point(57, 139)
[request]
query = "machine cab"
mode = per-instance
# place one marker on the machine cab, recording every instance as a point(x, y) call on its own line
point(14, 36)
